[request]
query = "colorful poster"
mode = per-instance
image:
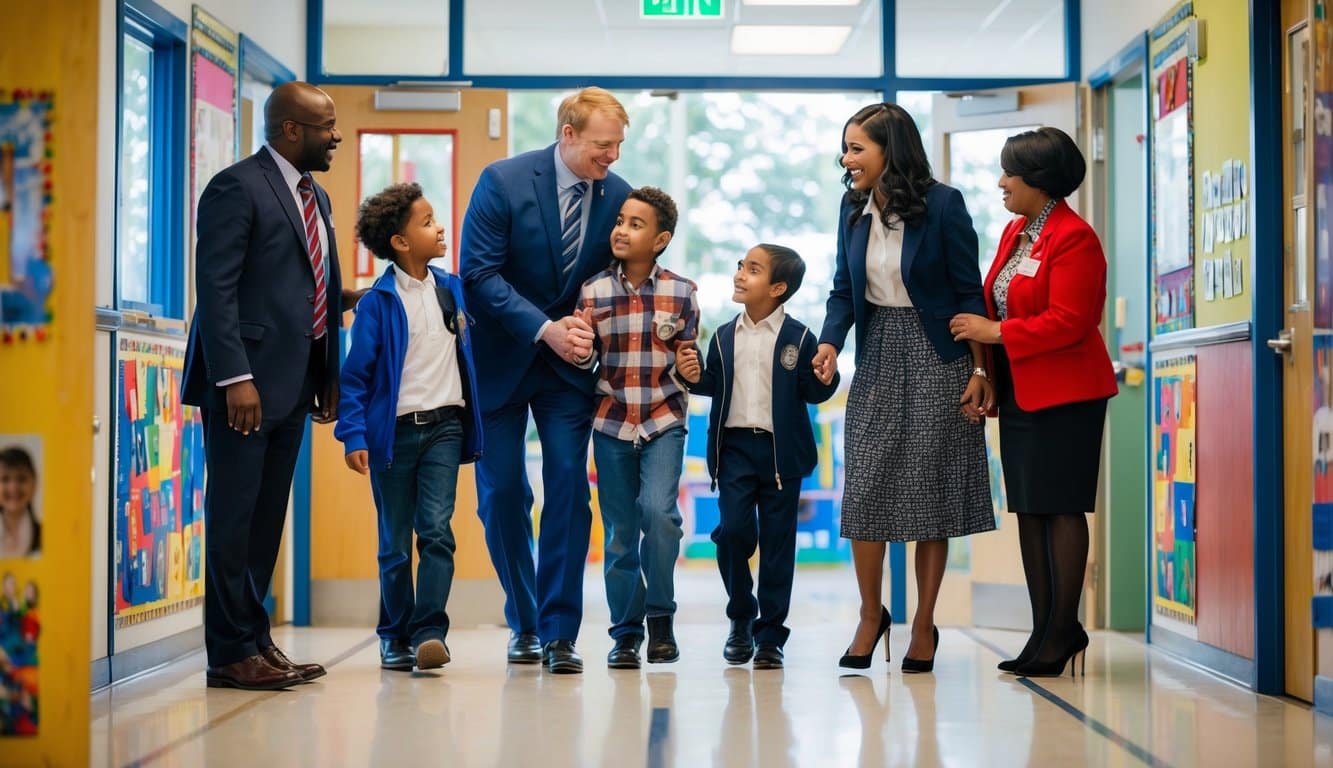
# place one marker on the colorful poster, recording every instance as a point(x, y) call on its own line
point(214, 143)
point(1322, 429)
point(25, 214)
point(1173, 189)
point(1174, 400)
point(19, 631)
point(159, 502)
point(1323, 173)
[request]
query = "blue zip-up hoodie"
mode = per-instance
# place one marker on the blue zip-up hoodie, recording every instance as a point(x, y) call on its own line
point(794, 385)
point(374, 368)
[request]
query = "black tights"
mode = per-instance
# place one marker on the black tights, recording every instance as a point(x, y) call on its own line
point(1055, 555)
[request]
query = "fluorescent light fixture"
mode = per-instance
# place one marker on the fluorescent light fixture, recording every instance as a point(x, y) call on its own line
point(802, 2)
point(766, 40)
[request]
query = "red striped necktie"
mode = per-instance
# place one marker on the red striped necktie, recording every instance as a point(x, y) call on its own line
point(307, 188)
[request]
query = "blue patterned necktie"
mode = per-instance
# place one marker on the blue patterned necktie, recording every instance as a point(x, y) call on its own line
point(573, 220)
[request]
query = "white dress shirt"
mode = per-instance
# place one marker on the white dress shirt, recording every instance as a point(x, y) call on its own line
point(430, 377)
point(293, 177)
point(752, 394)
point(884, 261)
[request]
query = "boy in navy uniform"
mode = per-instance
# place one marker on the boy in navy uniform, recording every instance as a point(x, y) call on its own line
point(760, 445)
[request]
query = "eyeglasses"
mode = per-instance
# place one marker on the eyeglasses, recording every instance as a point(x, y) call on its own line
point(329, 128)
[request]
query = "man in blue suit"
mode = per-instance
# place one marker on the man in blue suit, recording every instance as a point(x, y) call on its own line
point(538, 225)
point(262, 355)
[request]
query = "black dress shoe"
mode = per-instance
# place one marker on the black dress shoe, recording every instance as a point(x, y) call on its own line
point(768, 656)
point(562, 659)
point(395, 654)
point(252, 673)
point(275, 657)
point(662, 648)
point(740, 643)
point(524, 648)
point(625, 653)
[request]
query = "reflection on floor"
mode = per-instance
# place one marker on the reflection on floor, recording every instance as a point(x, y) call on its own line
point(1136, 706)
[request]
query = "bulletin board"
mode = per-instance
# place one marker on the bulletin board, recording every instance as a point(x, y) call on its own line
point(159, 491)
point(1172, 176)
point(214, 143)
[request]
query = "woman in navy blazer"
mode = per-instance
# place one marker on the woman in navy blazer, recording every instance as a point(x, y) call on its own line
point(1045, 296)
point(914, 442)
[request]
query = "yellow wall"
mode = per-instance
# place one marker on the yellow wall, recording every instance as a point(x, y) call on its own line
point(47, 386)
point(1221, 132)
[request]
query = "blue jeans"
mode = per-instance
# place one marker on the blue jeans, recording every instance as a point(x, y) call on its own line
point(416, 492)
point(637, 486)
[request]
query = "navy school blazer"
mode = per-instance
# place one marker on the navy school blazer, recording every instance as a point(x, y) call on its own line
point(940, 270)
point(794, 386)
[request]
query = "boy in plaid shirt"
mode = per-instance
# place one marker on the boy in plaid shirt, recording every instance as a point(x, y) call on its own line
point(642, 315)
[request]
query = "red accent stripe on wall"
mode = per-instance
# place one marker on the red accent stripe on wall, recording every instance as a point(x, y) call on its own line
point(1224, 498)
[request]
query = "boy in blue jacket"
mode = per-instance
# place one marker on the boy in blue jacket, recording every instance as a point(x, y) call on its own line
point(408, 418)
point(760, 445)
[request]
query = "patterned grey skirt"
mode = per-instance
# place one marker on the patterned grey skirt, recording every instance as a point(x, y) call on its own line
point(915, 466)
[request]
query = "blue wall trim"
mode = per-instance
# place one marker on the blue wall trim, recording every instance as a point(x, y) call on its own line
point(887, 83)
point(1321, 607)
point(1266, 292)
point(898, 581)
point(1131, 59)
point(1210, 657)
point(1323, 695)
point(301, 482)
point(261, 65)
point(157, 18)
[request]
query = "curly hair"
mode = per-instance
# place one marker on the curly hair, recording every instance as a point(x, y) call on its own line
point(384, 215)
point(906, 177)
point(662, 205)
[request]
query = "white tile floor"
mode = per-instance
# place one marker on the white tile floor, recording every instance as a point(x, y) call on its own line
point(1136, 706)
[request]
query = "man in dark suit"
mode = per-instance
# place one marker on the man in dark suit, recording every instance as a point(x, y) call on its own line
point(263, 354)
point(538, 225)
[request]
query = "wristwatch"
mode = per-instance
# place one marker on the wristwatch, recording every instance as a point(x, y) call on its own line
point(979, 371)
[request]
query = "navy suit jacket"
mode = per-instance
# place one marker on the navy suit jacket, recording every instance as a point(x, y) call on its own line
point(255, 290)
point(939, 265)
point(511, 267)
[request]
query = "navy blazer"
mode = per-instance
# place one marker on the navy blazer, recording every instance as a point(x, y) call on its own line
point(255, 290)
point(794, 385)
point(512, 269)
point(940, 270)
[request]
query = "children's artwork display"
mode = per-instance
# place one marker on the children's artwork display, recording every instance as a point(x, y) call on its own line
point(26, 159)
point(21, 473)
point(1173, 188)
point(159, 495)
point(1322, 532)
point(1174, 401)
point(20, 628)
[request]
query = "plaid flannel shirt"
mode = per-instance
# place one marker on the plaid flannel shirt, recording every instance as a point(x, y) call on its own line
point(638, 333)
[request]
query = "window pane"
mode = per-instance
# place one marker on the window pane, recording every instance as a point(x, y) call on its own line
point(135, 172)
point(386, 37)
point(980, 38)
point(424, 158)
point(746, 40)
point(974, 169)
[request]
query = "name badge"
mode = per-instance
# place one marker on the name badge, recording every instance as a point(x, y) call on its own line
point(1028, 267)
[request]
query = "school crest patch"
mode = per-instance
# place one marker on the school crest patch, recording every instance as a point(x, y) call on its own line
point(788, 358)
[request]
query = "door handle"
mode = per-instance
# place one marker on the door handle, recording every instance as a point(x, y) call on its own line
point(1282, 344)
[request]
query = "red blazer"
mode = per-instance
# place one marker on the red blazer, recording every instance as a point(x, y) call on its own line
point(1055, 348)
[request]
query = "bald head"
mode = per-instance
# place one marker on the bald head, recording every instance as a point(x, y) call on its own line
point(299, 122)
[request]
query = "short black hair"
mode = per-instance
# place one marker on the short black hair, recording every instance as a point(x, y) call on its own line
point(15, 457)
point(784, 266)
point(662, 205)
point(1045, 159)
point(384, 215)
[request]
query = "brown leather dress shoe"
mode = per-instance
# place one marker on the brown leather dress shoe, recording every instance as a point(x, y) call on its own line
point(252, 673)
point(275, 657)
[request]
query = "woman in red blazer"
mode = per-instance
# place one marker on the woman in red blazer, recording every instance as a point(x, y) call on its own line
point(1044, 298)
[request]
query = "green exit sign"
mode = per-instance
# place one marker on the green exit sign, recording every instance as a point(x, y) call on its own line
point(682, 9)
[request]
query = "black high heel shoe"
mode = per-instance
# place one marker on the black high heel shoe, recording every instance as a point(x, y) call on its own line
point(862, 661)
point(1079, 646)
point(1026, 655)
point(911, 665)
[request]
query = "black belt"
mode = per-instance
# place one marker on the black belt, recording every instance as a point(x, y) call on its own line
point(432, 416)
point(748, 430)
